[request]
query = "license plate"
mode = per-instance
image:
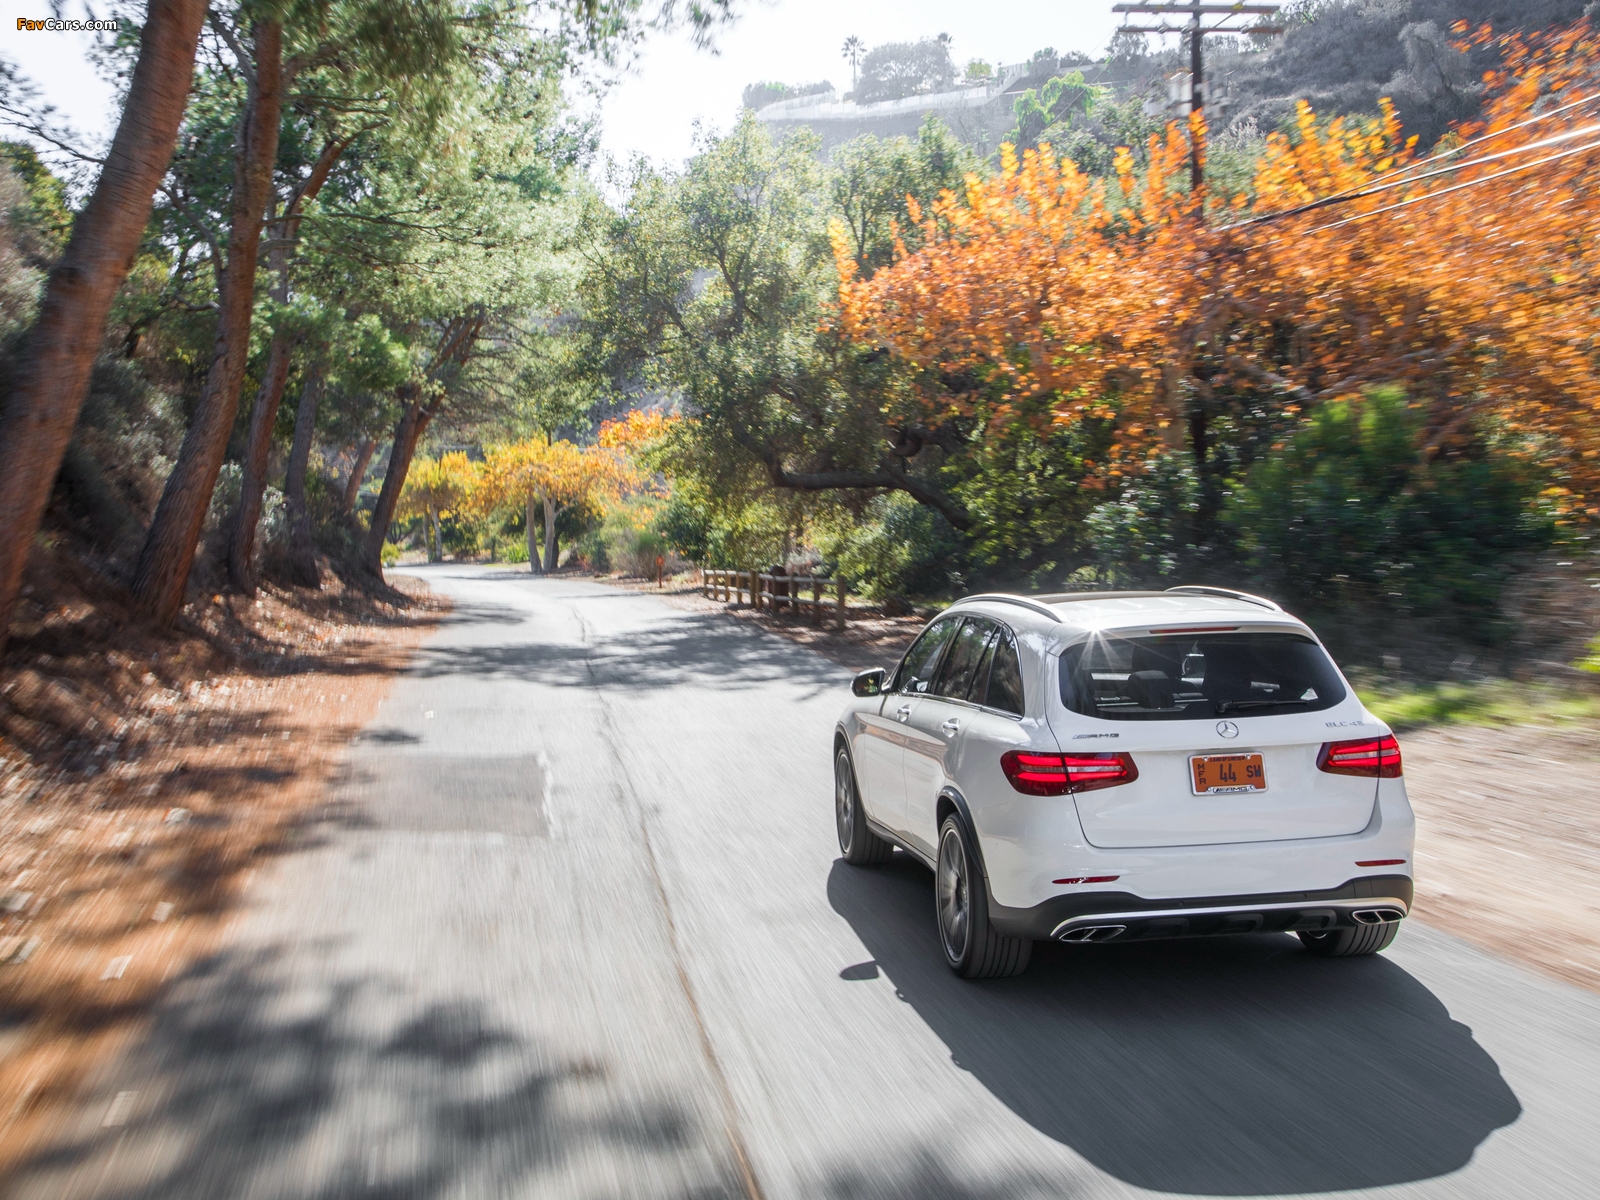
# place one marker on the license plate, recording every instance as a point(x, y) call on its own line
point(1219, 774)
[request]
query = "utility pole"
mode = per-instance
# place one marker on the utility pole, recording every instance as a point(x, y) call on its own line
point(1196, 29)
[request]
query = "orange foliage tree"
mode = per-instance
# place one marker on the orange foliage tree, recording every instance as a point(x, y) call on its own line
point(1469, 276)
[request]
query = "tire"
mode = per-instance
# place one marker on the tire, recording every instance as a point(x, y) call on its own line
point(857, 843)
point(972, 949)
point(1347, 943)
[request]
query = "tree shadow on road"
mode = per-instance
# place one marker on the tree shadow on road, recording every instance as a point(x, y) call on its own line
point(1227, 1066)
point(687, 650)
point(255, 1085)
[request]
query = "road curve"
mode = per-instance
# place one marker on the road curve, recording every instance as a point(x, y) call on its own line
point(572, 924)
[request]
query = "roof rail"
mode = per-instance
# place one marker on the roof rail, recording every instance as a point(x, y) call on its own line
point(1069, 597)
point(1043, 610)
point(1195, 589)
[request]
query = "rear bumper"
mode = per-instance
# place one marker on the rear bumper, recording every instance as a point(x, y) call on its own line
point(1123, 917)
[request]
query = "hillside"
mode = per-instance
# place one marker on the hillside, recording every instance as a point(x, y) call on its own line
point(1341, 55)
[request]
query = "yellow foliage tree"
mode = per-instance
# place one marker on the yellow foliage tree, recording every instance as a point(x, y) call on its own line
point(547, 477)
point(435, 488)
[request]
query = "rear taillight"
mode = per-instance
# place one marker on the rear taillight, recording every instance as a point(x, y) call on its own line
point(1058, 774)
point(1372, 757)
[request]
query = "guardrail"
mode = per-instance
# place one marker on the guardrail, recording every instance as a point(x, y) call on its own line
point(777, 593)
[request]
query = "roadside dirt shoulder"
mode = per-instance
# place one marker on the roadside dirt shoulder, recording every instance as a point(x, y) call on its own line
point(143, 776)
point(1508, 841)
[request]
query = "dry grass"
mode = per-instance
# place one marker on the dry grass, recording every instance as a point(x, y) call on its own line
point(143, 774)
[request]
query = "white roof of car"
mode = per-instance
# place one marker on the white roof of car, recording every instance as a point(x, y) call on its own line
point(1074, 612)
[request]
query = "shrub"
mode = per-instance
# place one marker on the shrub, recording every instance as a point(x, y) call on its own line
point(686, 528)
point(1351, 509)
point(1149, 534)
point(900, 548)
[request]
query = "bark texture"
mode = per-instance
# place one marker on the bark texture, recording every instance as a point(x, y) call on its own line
point(163, 572)
point(43, 408)
point(358, 472)
point(302, 554)
point(258, 449)
point(551, 550)
point(535, 562)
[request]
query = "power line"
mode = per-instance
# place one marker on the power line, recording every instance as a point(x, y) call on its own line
point(1538, 162)
point(1346, 196)
point(1369, 187)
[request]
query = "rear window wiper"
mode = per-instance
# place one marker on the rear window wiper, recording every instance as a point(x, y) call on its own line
point(1241, 705)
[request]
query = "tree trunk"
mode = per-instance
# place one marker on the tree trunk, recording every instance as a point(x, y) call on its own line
point(253, 485)
point(302, 554)
point(241, 546)
point(535, 562)
point(163, 572)
point(408, 433)
point(455, 346)
point(551, 550)
point(358, 472)
point(54, 375)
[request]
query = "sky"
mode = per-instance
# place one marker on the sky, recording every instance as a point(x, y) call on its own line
point(652, 110)
point(652, 107)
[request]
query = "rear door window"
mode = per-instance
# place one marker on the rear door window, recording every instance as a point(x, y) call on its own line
point(1179, 677)
point(1004, 686)
point(966, 656)
point(921, 663)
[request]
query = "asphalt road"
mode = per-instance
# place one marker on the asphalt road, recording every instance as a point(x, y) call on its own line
point(573, 925)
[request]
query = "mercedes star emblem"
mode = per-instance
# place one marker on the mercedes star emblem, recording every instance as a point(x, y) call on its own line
point(1227, 729)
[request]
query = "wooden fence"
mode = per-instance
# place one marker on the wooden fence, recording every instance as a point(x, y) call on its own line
point(777, 593)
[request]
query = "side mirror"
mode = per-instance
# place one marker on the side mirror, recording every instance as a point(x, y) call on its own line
point(869, 683)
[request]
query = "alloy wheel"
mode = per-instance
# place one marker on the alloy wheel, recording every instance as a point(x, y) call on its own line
point(954, 894)
point(844, 801)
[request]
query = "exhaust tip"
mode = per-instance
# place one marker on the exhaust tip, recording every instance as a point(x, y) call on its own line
point(1377, 916)
point(1092, 933)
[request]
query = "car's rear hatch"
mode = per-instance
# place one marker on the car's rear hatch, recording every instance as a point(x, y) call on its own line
point(1258, 706)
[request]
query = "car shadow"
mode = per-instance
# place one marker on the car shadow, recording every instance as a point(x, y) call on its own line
point(1225, 1066)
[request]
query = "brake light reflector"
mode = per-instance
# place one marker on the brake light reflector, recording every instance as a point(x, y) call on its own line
point(1382, 862)
point(1057, 774)
point(1373, 757)
point(1090, 879)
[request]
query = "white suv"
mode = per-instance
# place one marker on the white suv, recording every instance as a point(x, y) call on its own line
point(1112, 766)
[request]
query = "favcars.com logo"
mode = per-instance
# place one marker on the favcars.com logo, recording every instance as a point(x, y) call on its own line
point(57, 25)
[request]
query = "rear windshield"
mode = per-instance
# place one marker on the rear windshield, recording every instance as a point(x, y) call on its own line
point(1180, 677)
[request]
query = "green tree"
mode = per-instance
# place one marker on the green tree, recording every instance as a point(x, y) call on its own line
point(896, 70)
point(371, 45)
point(44, 405)
point(1062, 99)
point(717, 284)
point(871, 178)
